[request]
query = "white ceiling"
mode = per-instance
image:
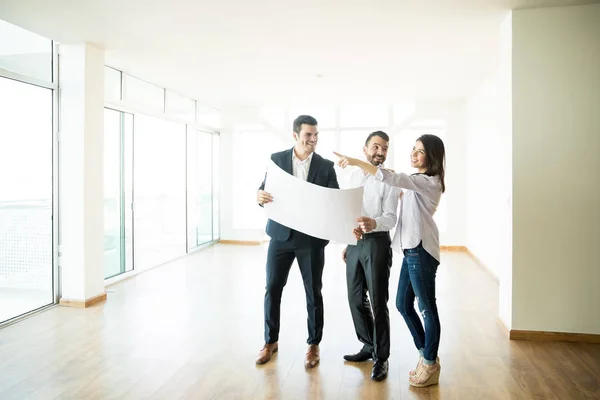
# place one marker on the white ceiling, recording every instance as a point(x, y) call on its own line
point(285, 51)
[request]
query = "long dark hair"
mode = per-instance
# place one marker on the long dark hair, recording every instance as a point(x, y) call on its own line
point(436, 156)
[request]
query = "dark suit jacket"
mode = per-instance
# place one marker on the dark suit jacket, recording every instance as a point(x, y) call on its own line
point(321, 173)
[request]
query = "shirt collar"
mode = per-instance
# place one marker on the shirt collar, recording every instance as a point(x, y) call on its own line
point(297, 160)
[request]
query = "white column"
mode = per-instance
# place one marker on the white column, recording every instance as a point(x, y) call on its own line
point(81, 174)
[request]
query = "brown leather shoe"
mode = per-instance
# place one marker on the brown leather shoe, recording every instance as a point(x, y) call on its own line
point(312, 356)
point(266, 353)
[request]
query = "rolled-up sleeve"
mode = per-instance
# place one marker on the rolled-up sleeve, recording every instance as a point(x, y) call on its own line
point(420, 183)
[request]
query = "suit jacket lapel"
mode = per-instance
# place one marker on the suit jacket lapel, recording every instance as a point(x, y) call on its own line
point(315, 163)
point(287, 162)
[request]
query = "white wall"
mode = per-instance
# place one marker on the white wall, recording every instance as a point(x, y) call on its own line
point(556, 164)
point(489, 176)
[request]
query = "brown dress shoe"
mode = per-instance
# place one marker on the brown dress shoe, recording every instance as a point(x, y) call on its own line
point(266, 353)
point(312, 356)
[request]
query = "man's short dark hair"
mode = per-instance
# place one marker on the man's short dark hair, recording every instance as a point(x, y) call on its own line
point(381, 134)
point(303, 119)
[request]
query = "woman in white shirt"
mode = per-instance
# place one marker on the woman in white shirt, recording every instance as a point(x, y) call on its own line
point(417, 237)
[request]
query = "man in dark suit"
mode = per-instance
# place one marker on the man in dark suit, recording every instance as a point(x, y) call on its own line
point(287, 244)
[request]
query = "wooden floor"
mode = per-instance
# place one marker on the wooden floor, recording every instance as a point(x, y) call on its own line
point(191, 329)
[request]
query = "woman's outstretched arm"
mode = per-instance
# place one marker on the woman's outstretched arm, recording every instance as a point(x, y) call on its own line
point(354, 162)
point(420, 183)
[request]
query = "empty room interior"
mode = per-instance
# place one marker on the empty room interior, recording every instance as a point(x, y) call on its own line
point(139, 258)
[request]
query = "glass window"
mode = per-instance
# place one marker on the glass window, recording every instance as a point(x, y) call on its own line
point(127, 154)
point(216, 141)
point(143, 95)
point(352, 142)
point(325, 116)
point(275, 117)
point(192, 188)
point(403, 143)
point(200, 188)
point(25, 198)
point(159, 190)
point(402, 111)
point(204, 182)
point(112, 193)
point(112, 85)
point(208, 115)
point(327, 144)
point(251, 156)
point(118, 174)
point(25, 53)
point(429, 123)
point(359, 116)
point(181, 107)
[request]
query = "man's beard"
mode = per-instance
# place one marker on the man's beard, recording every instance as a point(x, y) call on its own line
point(376, 161)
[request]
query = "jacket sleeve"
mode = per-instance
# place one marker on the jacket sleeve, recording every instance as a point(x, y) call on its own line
point(262, 186)
point(332, 181)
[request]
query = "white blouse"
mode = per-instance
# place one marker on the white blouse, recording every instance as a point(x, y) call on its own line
point(415, 219)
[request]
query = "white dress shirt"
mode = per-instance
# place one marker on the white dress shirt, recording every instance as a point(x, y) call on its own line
point(380, 201)
point(300, 168)
point(419, 203)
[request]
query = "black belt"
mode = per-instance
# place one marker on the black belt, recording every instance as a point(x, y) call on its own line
point(373, 235)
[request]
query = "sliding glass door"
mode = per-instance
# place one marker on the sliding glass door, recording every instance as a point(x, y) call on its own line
point(118, 192)
point(159, 189)
point(26, 223)
point(216, 226)
point(145, 204)
point(202, 187)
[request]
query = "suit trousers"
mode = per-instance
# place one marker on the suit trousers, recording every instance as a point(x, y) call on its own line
point(311, 260)
point(368, 271)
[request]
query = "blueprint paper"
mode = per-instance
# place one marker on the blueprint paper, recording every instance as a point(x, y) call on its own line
point(317, 211)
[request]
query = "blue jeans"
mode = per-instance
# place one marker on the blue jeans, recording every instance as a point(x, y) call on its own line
point(417, 279)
